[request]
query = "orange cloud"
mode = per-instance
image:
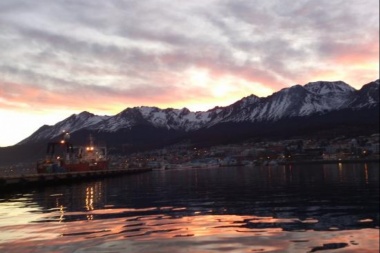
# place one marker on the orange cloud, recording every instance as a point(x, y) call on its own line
point(362, 54)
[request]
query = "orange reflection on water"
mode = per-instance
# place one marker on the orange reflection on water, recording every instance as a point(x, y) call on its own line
point(62, 213)
point(165, 233)
point(366, 173)
point(89, 202)
point(89, 198)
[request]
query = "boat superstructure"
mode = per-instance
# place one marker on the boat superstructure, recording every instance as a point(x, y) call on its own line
point(63, 156)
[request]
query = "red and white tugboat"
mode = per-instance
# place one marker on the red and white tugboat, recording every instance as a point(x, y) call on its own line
point(62, 156)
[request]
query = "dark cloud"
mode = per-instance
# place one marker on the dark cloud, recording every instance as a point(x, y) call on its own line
point(143, 48)
point(66, 56)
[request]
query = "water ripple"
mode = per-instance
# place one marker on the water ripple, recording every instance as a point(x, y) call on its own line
point(208, 210)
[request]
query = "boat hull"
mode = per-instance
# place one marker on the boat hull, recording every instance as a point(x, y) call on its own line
point(72, 167)
point(87, 166)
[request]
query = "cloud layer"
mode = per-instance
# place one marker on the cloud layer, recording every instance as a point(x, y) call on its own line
point(104, 56)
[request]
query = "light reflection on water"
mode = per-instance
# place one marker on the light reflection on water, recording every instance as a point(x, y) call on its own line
point(281, 209)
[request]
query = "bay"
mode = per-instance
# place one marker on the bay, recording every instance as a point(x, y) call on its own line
point(303, 208)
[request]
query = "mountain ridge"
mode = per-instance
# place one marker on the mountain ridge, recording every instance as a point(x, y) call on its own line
point(312, 98)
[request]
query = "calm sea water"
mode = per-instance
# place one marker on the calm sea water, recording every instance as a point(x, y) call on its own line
point(308, 208)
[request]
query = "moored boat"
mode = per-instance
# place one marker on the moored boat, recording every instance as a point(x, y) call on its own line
point(62, 156)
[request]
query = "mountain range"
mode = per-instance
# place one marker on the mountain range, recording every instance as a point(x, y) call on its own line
point(316, 108)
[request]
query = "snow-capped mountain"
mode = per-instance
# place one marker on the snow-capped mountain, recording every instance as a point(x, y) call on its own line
point(176, 119)
point(315, 98)
point(73, 123)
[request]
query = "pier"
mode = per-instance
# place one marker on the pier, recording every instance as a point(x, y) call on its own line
point(46, 179)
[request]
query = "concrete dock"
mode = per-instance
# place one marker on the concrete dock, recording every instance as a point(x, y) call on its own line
point(45, 179)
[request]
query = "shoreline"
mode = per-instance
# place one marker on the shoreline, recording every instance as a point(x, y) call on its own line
point(372, 160)
point(47, 179)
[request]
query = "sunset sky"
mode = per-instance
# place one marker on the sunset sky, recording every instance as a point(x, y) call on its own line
point(65, 56)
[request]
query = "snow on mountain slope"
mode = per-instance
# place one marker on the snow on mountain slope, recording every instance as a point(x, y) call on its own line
point(367, 96)
point(73, 123)
point(316, 97)
point(177, 119)
point(240, 107)
point(329, 95)
point(323, 88)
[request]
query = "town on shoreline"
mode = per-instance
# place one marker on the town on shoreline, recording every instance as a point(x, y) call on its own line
point(341, 149)
point(254, 153)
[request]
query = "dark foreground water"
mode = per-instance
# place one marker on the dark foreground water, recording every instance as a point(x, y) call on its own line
point(308, 208)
